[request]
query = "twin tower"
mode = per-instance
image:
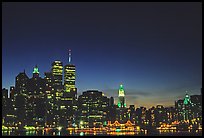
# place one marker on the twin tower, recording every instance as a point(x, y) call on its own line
point(70, 78)
point(69, 74)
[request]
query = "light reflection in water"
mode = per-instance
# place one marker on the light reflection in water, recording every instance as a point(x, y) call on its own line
point(73, 132)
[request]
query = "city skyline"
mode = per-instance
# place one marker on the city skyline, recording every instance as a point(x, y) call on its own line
point(154, 50)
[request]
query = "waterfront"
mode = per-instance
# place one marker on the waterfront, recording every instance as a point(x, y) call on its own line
point(100, 133)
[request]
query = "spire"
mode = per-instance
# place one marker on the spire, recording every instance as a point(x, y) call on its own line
point(121, 86)
point(69, 55)
point(121, 91)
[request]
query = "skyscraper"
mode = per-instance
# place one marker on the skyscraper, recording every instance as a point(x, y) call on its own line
point(49, 84)
point(68, 100)
point(21, 83)
point(50, 100)
point(121, 97)
point(57, 90)
point(121, 111)
point(35, 107)
point(57, 69)
point(92, 110)
point(20, 97)
point(69, 76)
point(8, 116)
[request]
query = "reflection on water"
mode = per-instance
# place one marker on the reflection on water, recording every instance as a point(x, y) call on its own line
point(78, 133)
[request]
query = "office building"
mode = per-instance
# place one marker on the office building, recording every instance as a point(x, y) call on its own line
point(92, 109)
point(70, 78)
point(57, 71)
point(121, 97)
point(35, 104)
point(20, 98)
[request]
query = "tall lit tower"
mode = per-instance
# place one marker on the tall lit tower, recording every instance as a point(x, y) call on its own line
point(121, 97)
point(57, 69)
point(68, 101)
point(69, 75)
point(187, 107)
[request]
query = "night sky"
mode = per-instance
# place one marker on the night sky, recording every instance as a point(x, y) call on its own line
point(153, 49)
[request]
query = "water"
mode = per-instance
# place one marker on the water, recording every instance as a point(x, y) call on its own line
point(84, 133)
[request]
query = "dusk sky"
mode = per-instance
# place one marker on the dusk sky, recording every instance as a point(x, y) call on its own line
point(153, 49)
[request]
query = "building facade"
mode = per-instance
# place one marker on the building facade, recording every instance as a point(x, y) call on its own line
point(57, 72)
point(92, 109)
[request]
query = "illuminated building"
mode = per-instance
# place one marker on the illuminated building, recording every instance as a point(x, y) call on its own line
point(68, 104)
point(51, 108)
point(196, 107)
point(69, 78)
point(122, 115)
point(151, 116)
point(179, 109)
point(184, 108)
point(138, 116)
point(48, 84)
point(159, 115)
point(170, 114)
point(143, 115)
point(8, 116)
point(66, 110)
point(196, 111)
point(121, 111)
point(39, 102)
point(20, 97)
point(21, 83)
point(190, 110)
point(121, 97)
point(191, 107)
point(57, 89)
point(4, 102)
point(148, 121)
point(131, 113)
point(57, 69)
point(187, 107)
point(35, 107)
point(92, 106)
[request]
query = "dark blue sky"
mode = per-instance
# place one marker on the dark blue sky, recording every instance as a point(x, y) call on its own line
point(153, 49)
